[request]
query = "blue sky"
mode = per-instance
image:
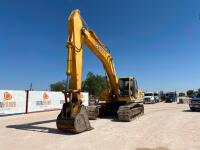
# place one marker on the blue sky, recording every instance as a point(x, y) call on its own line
point(156, 41)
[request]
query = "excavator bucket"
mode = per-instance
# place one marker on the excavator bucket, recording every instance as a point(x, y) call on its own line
point(77, 124)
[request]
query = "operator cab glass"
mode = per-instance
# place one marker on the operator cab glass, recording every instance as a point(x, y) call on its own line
point(155, 94)
point(198, 95)
point(148, 94)
point(171, 95)
point(128, 87)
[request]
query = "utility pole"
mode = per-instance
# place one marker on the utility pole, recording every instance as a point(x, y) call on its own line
point(31, 87)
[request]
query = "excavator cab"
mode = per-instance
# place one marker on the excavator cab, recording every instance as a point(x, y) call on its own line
point(128, 87)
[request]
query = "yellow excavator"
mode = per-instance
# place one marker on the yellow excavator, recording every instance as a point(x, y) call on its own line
point(122, 96)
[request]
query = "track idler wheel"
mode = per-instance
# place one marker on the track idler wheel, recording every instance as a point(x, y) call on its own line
point(77, 124)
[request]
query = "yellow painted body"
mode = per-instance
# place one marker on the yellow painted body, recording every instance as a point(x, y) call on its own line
point(77, 36)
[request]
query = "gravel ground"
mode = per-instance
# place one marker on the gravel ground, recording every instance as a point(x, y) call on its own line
point(164, 126)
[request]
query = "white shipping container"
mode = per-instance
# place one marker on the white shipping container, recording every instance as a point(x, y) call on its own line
point(44, 100)
point(12, 102)
point(85, 98)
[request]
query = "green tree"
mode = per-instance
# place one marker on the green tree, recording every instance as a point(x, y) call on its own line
point(94, 84)
point(190, 93)
point(181, 94)
point(58, 86)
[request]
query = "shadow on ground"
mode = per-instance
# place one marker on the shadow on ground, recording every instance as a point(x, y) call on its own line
point(188, 110)
point(158, 148)
point(115, 118)
point(110, 117)
point(33, 126)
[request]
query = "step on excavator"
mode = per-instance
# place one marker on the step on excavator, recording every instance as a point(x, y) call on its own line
point(122, 96)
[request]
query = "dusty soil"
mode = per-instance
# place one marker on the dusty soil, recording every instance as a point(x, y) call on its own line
point(164, 126)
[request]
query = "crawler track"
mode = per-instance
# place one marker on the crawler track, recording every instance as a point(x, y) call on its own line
point(130, 111)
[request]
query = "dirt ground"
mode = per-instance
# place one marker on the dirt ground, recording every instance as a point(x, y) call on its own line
point(164, 126)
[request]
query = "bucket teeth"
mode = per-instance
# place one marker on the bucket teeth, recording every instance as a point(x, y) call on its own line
point(79, 123)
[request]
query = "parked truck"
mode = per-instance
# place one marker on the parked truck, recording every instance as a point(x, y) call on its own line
point(156, 97)
point(194, 103)
point(149, 98)
point(170, 97)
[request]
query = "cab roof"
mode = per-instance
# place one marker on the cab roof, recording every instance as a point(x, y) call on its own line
point(129, 77)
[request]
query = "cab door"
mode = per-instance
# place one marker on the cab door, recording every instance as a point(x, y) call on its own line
point(133, 88)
